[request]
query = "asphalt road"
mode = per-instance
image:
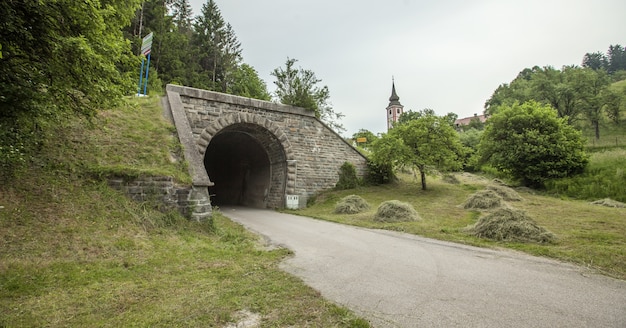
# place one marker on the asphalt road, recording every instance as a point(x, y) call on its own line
point(400, 280)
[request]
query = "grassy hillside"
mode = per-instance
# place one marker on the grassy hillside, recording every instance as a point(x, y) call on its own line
point(587, 234)
point(74, 252)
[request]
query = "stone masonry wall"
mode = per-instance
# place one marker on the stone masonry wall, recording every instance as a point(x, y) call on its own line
point(188, 200)
point(318, 152)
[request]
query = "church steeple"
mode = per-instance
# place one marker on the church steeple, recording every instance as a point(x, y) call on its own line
point(395, 109)
point(394, 99)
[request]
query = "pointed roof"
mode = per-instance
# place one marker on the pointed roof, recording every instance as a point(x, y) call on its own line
point(394, 99)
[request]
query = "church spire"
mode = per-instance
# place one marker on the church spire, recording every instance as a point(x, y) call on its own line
point(395, 109)
point(394, 99)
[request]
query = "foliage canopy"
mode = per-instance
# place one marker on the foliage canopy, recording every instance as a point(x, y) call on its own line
point(299, 87)
point(532, 144)
point(423, 143)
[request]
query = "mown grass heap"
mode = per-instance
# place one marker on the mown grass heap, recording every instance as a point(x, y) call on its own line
point(396, 211)
point(483, 200)
point(352, 204)
point(505, 192)
point(509, 224)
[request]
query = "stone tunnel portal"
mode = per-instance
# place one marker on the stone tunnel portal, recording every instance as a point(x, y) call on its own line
point(247, 163)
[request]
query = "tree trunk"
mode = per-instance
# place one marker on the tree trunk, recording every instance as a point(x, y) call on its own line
point(596, 126)
point(423, 177)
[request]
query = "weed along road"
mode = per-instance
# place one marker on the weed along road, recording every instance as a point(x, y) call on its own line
point(400, 280)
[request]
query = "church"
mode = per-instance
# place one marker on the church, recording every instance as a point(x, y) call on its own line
point(395, 108)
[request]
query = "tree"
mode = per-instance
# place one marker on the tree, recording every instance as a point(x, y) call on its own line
point(182, 16)
point(616, 58)
point(530, 143)
point(60, 58)
point(298, 87)
point(595, 61)
point(369, 136)
point(216, 48)
point(246, 83)
point(424, 143)
point(590, 87)
point(411, 115)
point(614, 101)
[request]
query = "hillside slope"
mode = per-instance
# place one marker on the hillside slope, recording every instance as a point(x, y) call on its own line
point(74, 252)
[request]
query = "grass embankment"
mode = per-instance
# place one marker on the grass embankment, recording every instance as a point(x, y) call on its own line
point(605, 176)
point(74, 252)
point(587, 234)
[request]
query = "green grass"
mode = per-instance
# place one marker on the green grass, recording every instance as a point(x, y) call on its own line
point(74, 252)
point(130, 141)
point(586, 234)
point(605, 177)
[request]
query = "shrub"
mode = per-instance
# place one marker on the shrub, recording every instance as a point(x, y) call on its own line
point(532, 144)
point(508, 224)
point(352, 204)
point(396, 211)
point(378, 174)
point(505, 192)
point(347, 177)
point(483, 200)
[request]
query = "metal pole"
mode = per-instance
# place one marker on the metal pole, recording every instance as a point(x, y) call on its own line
point(140, 76)
point(145, 87)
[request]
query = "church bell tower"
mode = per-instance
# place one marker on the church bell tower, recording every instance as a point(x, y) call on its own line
point(395, 109)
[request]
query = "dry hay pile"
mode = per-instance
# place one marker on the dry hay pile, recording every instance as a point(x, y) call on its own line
point(483, 200)
point(505, 192)
point(510, 224)
point(396, 211)
point(451, 179)
point(609, 203)
point(351, 204)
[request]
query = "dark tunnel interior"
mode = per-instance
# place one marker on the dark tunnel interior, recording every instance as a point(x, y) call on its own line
point(240, 169)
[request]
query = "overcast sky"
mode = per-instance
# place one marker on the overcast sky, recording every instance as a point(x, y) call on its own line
point(448, 55)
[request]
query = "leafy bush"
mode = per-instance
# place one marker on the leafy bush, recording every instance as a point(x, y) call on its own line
point(508, 224)
point(396, 211)
point(532, 144)
point(352, 204)
point(378, 173)
point(347, 177)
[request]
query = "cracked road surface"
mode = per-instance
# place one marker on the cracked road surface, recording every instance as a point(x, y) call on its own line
point(401, 280)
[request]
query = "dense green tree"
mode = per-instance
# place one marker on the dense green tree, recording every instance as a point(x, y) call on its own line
point(451, 118)
point(410, 115)
point(59, 58)
point(591, 88)
point(616, 59)
point(299, 87)
point(530, 143)
point(369, 136)
point(595, 61)
point(470, 139)
point(182, 15)
point(614, 102)
point(518, 90)
point(574, 92)
point(247, 83)
point(216, 48)
point(425, 143)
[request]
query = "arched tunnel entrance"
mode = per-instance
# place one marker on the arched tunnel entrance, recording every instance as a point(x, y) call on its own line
point(247, 164)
